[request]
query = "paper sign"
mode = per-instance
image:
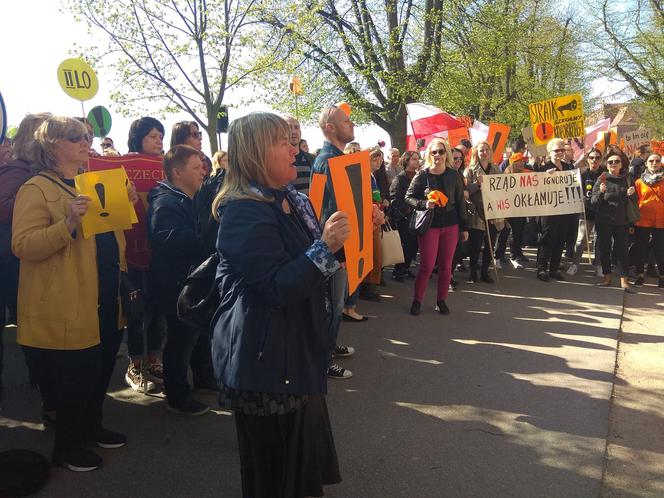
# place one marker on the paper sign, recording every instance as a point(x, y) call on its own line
point(110, 208)
point(454, 137)
point(561, 117)
point(497, 138)
point(634, 139)
point(77, 79)
point(534, 148)
point(101, 121)
point(604, 139)
point(532, 194)
point(657, 147)
point(351, 179)
point(145, 171)
point(316, 191)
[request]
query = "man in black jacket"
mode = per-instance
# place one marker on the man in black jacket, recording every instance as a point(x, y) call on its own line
point(176, 250)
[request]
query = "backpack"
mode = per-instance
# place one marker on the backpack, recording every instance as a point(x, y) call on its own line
point(206, 226)
point(199, 297)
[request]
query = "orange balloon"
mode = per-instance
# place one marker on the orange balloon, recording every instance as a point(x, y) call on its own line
point(344, 106)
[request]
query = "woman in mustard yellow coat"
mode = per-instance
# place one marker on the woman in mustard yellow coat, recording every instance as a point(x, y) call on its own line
point(68, 296)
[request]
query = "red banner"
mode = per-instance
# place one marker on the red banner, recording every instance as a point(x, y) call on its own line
point(145, 171)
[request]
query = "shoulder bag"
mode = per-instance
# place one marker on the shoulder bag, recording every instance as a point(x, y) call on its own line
point(420, 220)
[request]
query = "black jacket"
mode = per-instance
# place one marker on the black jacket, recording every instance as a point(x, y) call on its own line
point(176, 249)
point(206, 226)
point(399, 208)
point(588, 180)
point(416, 196)
point(611, 206)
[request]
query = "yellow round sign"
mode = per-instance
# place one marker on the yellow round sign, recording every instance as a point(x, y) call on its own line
point(77, 79)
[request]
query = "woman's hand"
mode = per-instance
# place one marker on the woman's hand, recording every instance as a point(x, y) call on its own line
point(466, 194)
point(431, 204)
point(377, 216)
point(336, 231)
point(631, 190)
point(464, 236)
point(77, 209)
point(386, 203)
point(480, 179)
point(131, 191)
point(602, 187)
point(551, 170)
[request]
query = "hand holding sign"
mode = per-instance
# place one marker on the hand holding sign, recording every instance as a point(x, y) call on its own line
point(336, 231)
point(77, 209)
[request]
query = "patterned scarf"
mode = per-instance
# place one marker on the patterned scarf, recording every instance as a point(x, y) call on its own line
point(651, 178)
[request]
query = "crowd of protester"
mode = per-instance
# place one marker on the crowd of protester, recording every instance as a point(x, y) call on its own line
point(280, 273)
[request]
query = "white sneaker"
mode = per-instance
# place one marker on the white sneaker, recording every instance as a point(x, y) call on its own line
point(517, 265)
point(599, 272)
point(572, 269)
point(499, 265)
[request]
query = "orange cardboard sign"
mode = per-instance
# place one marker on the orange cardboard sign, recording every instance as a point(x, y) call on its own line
point(604, 139)
point(454, 137)
point(497, 138)
point(351, 179)
point(316, 191)
point(657, 146)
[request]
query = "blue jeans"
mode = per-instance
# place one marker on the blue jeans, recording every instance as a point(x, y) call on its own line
point(338, 288)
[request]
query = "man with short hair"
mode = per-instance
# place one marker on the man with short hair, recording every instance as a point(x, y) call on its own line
point(303, 160)
point(638, 163)
point(176, 249)
point(392, 167)
point(338, 130)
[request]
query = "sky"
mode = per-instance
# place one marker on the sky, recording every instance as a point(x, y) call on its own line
point(35, 44)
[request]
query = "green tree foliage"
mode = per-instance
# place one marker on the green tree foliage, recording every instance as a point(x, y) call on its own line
point(486, 58)
point(183, 54)
point(501, 55)
point(629, 48)
point(377, 56)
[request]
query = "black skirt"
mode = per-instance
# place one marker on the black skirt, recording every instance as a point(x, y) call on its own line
point(287, 456)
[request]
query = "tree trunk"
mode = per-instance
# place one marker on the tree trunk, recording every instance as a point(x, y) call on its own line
point(397, 130)
point(212, 133)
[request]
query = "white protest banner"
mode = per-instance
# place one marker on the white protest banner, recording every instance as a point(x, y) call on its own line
point(633, 139)
point(532, 194)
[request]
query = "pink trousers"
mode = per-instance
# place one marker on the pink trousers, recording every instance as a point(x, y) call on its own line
point(437, 244)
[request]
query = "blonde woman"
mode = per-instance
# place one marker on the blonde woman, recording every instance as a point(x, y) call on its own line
point(68, 302)
point(272, 341)
point(439, 243)
point(480, 165)
point(555, 228)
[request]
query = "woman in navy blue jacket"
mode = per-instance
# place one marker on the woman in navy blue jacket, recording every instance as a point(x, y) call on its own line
point(271, 344)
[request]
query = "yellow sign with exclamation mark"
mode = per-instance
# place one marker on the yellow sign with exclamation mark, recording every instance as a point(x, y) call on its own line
point(109, 208)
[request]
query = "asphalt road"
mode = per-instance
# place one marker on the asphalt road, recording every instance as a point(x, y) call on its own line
point(508, 396)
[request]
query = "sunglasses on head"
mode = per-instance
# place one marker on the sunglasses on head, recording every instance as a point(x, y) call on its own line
point(614, 161)
point(78, 138)
point(438, 152)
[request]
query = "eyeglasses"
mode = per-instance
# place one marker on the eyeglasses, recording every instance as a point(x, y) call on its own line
point(78, 138)
point(457, 158)
point(653, 160)
point(106, 145)
point(438, 152)
point(615, 161)
point(196, 134)
point(594, 158)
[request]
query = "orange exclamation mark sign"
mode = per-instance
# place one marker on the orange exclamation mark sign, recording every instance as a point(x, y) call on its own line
point(354, 173)
point(101, 193)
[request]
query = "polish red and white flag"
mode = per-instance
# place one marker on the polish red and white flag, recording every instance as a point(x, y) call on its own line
point(427, 122)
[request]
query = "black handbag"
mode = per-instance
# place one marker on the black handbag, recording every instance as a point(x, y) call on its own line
point(633, 213)
point(420, 220)
point(199, 297)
